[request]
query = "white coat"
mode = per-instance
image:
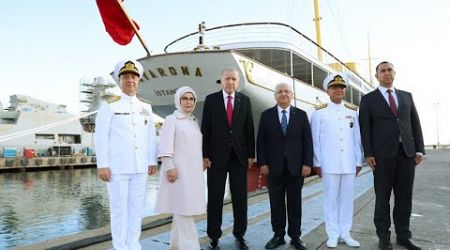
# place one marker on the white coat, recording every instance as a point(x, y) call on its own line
point(125, 138)
point(336, 139)
point(181, 139)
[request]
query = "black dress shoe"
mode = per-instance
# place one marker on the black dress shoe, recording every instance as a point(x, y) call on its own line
point(240, 241)
point(298, 244)
point(214, 245)
point(385, 245)
point(275, 242)
point(408, 244)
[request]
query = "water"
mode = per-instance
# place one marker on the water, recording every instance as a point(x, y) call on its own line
point(38, 206)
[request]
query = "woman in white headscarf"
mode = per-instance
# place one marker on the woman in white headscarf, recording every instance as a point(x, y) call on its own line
point(182, 189)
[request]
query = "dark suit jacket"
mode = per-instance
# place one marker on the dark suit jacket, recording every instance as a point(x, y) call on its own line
point(273, 146)
point(381, 130)
point(219, 138)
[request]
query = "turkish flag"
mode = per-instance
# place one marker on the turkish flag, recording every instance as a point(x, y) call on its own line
point(116, 22)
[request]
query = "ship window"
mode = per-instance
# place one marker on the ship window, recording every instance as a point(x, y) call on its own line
point(44, 136)
point(356, 96)
point(348, 95)
point(69, 138)
point(319, 75)
point(276, 59)
point(302, 69)
point(279, 60)
point(8, 121)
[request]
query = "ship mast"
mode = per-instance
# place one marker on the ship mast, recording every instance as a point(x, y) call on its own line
point(318, 35)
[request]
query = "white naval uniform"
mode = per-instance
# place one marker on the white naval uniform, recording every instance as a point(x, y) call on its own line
point(125, 142)
point(337, 150)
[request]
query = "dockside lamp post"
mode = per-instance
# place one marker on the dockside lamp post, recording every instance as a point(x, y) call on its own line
point(436, 106)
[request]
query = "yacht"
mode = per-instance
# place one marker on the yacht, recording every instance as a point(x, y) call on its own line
point(264, 54)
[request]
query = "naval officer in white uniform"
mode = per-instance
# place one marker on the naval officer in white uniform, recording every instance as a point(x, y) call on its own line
point(337, 159)
point(125, 144)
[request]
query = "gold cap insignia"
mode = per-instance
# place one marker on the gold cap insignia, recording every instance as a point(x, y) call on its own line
point(129, 67)
point(337, 81)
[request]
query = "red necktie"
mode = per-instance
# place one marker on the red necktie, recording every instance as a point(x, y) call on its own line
point(392, 102)
point(230, 110)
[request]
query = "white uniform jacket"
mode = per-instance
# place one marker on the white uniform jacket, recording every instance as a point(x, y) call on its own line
point(336, 139)
point(125, 137)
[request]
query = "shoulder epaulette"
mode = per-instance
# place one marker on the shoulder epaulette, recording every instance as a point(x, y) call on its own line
point(351, 106)
point(113, 98)
point(143, 100)
point(321, 106)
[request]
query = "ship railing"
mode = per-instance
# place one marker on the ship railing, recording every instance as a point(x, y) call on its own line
point(252, 33)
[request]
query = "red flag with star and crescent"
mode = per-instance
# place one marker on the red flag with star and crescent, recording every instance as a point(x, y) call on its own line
point(116, 21)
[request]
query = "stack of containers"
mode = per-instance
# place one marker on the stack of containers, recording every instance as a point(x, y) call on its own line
point(9, 152)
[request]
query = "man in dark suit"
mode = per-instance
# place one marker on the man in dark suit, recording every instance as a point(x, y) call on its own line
point(285, 154)
point(228, 147)
point(393, 145)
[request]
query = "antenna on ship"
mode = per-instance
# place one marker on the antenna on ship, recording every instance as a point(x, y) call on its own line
point(201, 32)
point(317, 19)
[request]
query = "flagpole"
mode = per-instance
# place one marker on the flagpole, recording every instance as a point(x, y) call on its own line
point(134, 27)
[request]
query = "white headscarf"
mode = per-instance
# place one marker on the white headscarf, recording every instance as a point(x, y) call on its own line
point(177, 98)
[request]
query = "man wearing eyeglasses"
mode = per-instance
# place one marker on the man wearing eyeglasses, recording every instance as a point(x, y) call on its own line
point(285, 155)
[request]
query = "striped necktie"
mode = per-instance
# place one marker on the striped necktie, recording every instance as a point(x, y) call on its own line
point(284, 123)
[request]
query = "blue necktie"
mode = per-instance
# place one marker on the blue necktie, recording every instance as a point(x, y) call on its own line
point(284, 123)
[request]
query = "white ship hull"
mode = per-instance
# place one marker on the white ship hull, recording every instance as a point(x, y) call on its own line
point(164, 74)
point(261, 64)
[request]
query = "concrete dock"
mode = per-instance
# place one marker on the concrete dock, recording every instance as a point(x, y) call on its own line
point(430, 221)
point(22, 164)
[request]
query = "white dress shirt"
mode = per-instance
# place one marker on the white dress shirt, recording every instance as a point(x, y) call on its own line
point(280, 113)
point(385, 94)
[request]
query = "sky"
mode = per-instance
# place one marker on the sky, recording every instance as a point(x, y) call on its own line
point(46, 47)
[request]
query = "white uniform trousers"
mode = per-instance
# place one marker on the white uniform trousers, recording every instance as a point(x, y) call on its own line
point(338, 204)
point(184, 234)
point(126, 202)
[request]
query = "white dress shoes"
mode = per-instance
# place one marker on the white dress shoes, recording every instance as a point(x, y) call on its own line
point(349, 241)
point(332, 242)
